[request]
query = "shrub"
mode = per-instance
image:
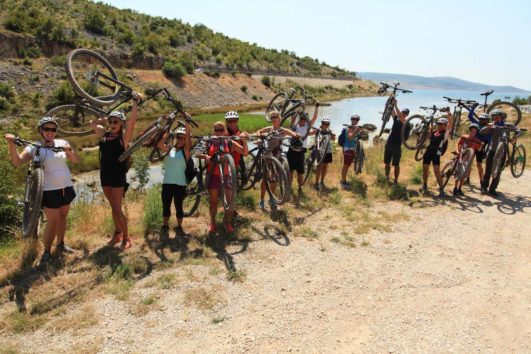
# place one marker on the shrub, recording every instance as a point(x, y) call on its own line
point(6, 91)
point(62, 95)
point(141, 166)
point(95, 22)
point(10, 191)
point(266, 80)
point(398, 191)
point(244, 89)
point(153, 209)
point(173, 70)
point(519, 101)
point(358, 187)
point(29, 52)
point(58, 60)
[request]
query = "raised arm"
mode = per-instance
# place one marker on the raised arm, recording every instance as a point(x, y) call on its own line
point(450, 123)
point(16, 158)
point(132, 120)
point(71, 153)
point(97, 126)
point(471, 117)
point(399, 113)
point(315, 114)
point(188, 142)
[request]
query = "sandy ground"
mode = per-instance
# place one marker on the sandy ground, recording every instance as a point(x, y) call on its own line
point(450, 277)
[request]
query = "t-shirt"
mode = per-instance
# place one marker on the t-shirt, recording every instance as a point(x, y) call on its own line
point(468, 142)
point(175, 168)
point(350, 145)
point(395, 137)
point(56, 172)
point(302, 131)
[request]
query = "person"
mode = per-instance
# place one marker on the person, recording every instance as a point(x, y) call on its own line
point(296, 154)
point(174, 182)
point(436, 148)
point(467, 141)
point(214, 184)
point(349, 147)
point(322, 168)
point(482, 121)
point(274, 117)
point(231, 124)
point(393, 146)
point(57, 182)
point(113, 142)
point(495, 131)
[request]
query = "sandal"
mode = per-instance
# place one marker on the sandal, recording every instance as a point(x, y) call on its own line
point(126, 243)
point(115, 239)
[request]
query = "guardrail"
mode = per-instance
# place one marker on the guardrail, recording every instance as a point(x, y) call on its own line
point(273, 73)
point(526, 108)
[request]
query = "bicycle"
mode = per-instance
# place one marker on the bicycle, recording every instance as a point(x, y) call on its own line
point(264, 164)
point(317, 153)
point(156, 130)
point(458, 110)
point(389, 104)
point(459, 166)
point(516, 158)
point(512, 112)
point(416, 129)
point(33, 190)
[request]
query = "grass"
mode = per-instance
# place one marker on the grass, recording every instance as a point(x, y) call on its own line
point(203, 298)
point(236, 275)
point(167, 281)
point(152, 209)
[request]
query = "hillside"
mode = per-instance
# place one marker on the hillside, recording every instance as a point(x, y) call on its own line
point(442, 83)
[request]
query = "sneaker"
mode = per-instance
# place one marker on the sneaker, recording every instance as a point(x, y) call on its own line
point(493, 193)
point(46, 257)
point(179, 230)
point(483, 190)
point(229, 227)
point(460, 193)
point(117, 238)
point(164, 229)
point(64, 248)
point(212, 228)
point(442, 194)
point(126, 243)
point(425, 189)
point(272, 204)
point(344, 184)
point(261, 205)
point(455, 193)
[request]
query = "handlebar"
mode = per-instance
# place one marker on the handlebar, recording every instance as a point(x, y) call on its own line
point(18, 141)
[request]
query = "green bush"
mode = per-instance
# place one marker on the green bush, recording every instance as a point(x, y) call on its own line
point(244, 89)
point(4, 104)
point(29, 52)
point(173, 69)
point(266, 80)
point(58, 60)
point(63, 94)
point(10, 192)
point(153, 208)
point(398, 191)
point(95, 22)
point(520, 101)
point(141, 166)
point(6, 92)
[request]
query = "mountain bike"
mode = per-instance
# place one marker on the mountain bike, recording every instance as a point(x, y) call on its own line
point(515, 157)
point(416, 129)
point(512, 112)
point(389, 104)
point(33, 190)
point(459, 166)
point(359, 157)
point(156, 130)
point(317, 153)
point(458, 110)
point(196, 188)
point(264, 165)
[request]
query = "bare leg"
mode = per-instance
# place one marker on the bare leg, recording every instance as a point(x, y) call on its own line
point(323, 172)
point(115, 217)
point(61, 223)
point(52, 220)
point(397, 173)
point(437, 171)
point(344, 171)
point(480, 171)
point(425, 172)
point(214, 194)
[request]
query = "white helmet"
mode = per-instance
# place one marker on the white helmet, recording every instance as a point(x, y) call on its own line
point(180, 131)
point(484, 116)
point(325, 120)
point(232, 115)
point(496, 112)
point(45, 120)
point(442, 121)
point(355, 116)
point(118, 114)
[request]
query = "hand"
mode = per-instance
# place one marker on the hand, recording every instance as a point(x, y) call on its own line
point(244, 136)
point(137, 97)
point(10, 138)
point(68, 148)
point(297, 136)
point(317, 104)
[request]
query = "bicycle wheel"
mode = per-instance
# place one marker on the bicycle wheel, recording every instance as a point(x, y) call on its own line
point(513, 112)
point(229, 182)
point(139, 142)
point(497, 161)
point(457, 123)
point(518, 160)
point(386, 115)
point(322, 147)
point(464, 164)
point(359, 158)
point(91, 76)
point(309, 164)
point(278, 104)
point(414, 132)
point(276, 180)
point(421, 151)
point(192, 194)
point(447, 172)
point(74, 120)
point(32, 202)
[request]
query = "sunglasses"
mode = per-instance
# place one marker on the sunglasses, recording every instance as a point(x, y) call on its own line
point(232, 120)
point(219, 130)
point(356, 119)
point(53, 130)
point(181, 137)
point(325, 123)
point(114, 121)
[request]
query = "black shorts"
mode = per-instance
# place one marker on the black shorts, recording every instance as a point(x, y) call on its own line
point(393, 153)
point(327, 158)
point(296, 160)
point(115, 180)
point(57, 198)
point(431, 156)
point(480, 156)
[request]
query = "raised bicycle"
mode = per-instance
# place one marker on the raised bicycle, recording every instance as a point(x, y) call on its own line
point(389, 104)
point(459, 166)
point(316, 154)
point(515, 156)
point(416, 129)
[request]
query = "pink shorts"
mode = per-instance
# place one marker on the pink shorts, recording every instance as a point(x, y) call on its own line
point(348, 157)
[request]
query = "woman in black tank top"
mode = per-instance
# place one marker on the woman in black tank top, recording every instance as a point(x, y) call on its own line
point(112, 172)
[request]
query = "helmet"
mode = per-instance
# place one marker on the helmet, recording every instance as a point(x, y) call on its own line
point(232, 115)
point(304, 116)
point(118, 114)
point(473, 125)
point(45, 120)
point(325, 120)
point(442, 121)
point(355, 116)
point(405, 111)
point(484, 116)
point(180, 130)
point(496, 112)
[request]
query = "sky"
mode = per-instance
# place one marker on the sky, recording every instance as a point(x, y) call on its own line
point(485, 41)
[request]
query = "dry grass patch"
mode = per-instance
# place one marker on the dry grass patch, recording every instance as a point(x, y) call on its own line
point(167, 281)
point(204, 298)
point(84, 318)
point(145, 305)
point(236, 275)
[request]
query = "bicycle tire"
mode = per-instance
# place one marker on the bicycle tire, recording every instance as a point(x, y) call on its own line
point(309, 164)
point(32, 202)
point(497, 165)
point(139, 142)
point(514, 114)
point(192, 194)
point(447, 172)
point(457, 124)
point(275, 173)
point(285, 164)
point(417, 126)
point(77, 86)
point(279, 106)
point(359, 158)
point(386, 115)
point(226, 163)
point(522, 157)
point(322, 147)
point(421, 151)
point(73, 120)
point(463, 167)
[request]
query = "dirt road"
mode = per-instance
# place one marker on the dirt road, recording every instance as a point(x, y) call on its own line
point(453, 277)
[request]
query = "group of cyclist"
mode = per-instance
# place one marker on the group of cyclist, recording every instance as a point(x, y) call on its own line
point(115, 132)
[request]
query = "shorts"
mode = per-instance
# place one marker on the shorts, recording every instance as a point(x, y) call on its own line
point(57, 198)
point(114, 180)
point(392, 154)
point(214, 182)
point(296, 160)
point(431, 156)
point(480, 156)
point(348, 157)
point(327, 158)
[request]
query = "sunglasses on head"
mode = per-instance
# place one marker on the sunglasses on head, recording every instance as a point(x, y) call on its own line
point(46, 129)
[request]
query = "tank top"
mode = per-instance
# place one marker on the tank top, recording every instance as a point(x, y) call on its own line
point(110, 150)
point(212, 148)
point(175, 168)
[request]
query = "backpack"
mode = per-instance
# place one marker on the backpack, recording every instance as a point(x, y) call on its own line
point(342, 138)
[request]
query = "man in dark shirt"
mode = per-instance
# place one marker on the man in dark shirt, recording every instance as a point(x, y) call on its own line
point(393, 147)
